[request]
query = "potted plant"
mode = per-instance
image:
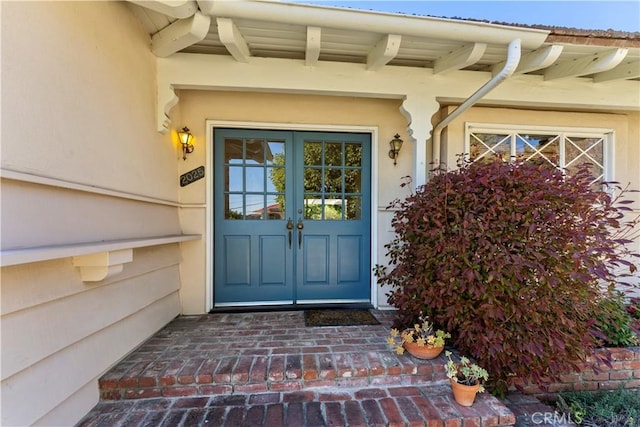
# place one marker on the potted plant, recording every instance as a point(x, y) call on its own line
point(466, 379)
point(421, 341)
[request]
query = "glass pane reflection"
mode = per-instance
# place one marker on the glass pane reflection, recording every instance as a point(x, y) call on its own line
point(353, 181)
point(255, 179)
point(312, 180)
point(233, 151)
point(276, 181)
point(275, 153)
point(333, 208)
point(233, 178)
point(254, 206)
point(313, 153)
point(333, 180)
point(333, 154)
point(255, 151)
point(353, 205)
point(275, 206)
point(353, 154)
point(312, 207)
point(233, 206)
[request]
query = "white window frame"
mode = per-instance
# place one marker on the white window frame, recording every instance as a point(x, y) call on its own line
point(608, 136)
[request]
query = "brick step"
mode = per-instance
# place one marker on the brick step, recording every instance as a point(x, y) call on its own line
point(421, 405)
point(270, 369)
point(246, 373)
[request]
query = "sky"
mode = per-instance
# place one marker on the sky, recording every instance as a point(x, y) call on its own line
point(593, 15)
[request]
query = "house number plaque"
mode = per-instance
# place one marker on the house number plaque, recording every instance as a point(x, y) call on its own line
point(191, 176)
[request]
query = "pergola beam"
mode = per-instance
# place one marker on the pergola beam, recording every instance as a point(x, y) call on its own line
point(592, 64)
point(536, 60)
point(383, 52)
point(628, 70)
point(180, 34)
point(459, 59)
point(312, 52)
point(232, 39)
point(175, 8)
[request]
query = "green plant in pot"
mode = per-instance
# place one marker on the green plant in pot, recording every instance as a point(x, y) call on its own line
point(466, 379)
point(422, 341)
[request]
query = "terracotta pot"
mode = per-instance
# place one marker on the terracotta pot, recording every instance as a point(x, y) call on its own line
point(423, 352)
point(464, 394)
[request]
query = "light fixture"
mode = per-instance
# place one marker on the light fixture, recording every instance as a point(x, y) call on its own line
point(396, 145)
point(185, 139)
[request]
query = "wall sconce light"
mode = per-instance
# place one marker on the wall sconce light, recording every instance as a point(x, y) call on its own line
point(185, 139)
point(396, 145)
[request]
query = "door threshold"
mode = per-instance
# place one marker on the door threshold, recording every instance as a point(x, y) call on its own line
point(291, 307)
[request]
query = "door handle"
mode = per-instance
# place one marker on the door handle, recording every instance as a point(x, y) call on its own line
point(300, 227)
point(290, 228)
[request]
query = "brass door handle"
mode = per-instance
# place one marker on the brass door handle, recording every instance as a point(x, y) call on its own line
point(300, 227)
point(290, 229)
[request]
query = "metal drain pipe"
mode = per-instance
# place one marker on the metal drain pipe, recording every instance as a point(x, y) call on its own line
point(510, 65)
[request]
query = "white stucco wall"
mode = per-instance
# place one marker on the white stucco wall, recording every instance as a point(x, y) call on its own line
point(81, 162)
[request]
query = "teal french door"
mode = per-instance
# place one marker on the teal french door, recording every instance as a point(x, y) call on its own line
point(292, 217)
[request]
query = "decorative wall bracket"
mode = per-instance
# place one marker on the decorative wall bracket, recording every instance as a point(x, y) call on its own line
point(102, 265)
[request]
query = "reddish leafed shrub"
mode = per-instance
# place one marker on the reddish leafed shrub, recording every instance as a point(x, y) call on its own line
point(511, 259)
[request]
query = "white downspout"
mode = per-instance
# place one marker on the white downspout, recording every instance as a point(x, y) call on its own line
point(513, 58)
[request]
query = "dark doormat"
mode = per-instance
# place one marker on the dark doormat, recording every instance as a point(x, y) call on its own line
point(339, 317)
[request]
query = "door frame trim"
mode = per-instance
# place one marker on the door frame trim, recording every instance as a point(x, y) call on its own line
point(210, 125)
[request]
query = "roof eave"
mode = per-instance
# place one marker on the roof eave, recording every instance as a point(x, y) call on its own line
point(367, 21)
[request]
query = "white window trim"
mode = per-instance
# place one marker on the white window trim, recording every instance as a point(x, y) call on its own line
point(582, 132)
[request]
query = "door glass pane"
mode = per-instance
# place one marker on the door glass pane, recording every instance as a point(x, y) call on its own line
point(353, 154)
point(312, 207)
point(313, 153)
point(353, 207)
point(353, 181)
point(276, 180)
point(233, 206)
point(312, 180)
point(333, 208)
point(275, 206)
point(233, 178)
point(255, 151)
point(275, 153)
point(233, 151)
point(255, 179)
point(255, 206)
point(333, 154)
point(333, 180)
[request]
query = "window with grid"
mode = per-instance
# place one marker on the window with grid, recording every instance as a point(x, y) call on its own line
point(563, 148)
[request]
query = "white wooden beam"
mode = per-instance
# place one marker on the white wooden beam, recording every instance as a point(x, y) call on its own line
point(625, 71)
point(312, 53)
point(457, 60)
point(383, 52)
point(180, 34)
point(536, 60)
point(232, 39)
point(597, 63)
point(175, 8)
